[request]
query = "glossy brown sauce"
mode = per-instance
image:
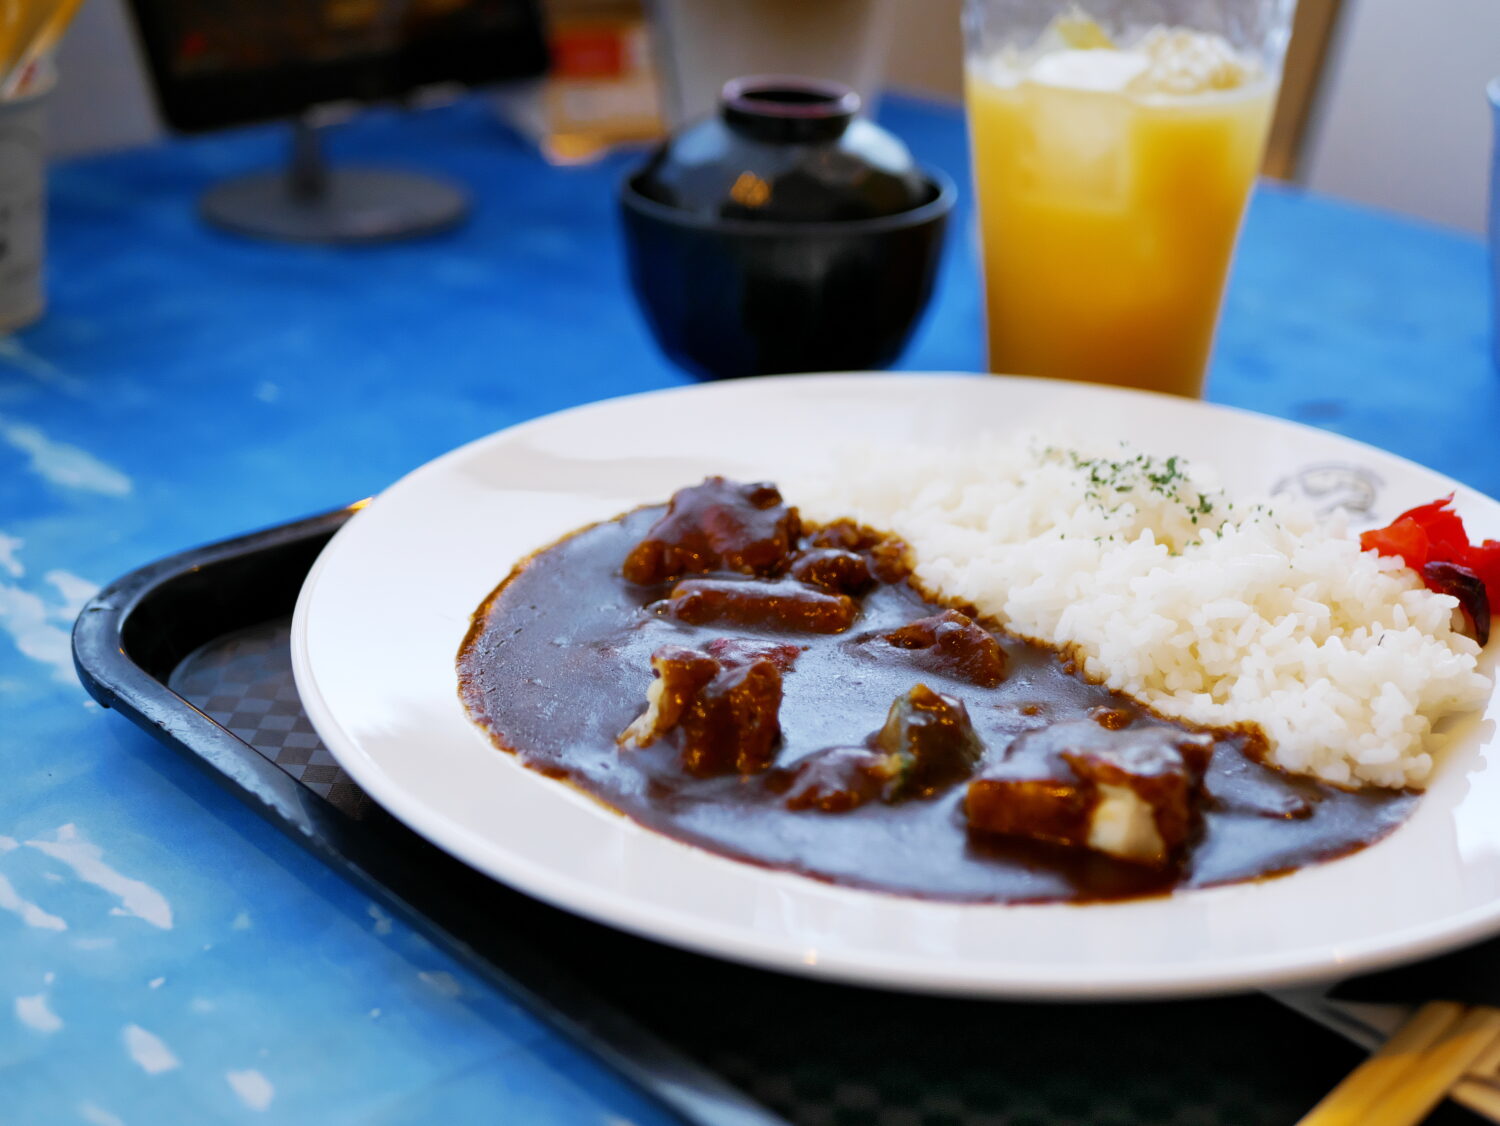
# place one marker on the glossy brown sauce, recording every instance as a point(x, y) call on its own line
point(557, 664)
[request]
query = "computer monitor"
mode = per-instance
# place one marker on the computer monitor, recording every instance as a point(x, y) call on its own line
point(219, 63)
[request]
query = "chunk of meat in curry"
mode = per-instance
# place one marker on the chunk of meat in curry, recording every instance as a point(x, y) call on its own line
point(725, 709)
point(953, 643)
point(718, 525)
point(833, 568)
point(781, 604)
point(1130, 791)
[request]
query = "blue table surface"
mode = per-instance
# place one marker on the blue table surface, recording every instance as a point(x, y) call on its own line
point(167, 956)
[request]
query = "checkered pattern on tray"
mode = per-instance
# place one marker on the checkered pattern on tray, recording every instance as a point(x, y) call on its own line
point(243, 681)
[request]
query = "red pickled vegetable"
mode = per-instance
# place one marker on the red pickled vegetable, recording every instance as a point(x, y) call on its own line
point(1431, 540)
point(1444, 528)
point(1403, 539)
point(1484, 561)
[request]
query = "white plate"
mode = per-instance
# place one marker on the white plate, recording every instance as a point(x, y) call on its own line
point(383, 612)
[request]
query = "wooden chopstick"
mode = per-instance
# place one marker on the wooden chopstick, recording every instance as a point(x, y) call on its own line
point(1479, 1089)
point(1422, 1087)
point(1478, 1096)
point(1428, 1055)
point(1347, 1103)
point(1487, 1066)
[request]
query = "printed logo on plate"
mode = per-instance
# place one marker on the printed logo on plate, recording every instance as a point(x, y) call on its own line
point(1329, 486)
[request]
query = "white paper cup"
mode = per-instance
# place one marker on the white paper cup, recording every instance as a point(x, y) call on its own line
point(23, 202)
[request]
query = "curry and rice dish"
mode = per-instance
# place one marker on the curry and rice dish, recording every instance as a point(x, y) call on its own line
point(968, 706)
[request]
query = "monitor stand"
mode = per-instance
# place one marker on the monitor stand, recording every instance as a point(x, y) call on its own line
point(311, 202)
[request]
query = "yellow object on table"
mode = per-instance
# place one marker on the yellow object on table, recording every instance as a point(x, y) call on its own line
point(29, 29)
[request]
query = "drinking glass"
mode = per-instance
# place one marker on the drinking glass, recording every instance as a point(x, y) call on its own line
point(1115, 143)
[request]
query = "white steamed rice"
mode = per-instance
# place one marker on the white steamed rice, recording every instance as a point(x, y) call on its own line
point(1163, 589)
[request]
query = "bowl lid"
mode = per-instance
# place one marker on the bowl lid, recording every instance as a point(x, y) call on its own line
point(785, 149)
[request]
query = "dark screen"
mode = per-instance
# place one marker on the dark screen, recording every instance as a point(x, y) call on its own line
point(223, 62)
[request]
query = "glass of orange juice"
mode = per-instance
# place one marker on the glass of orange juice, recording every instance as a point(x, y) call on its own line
point(1115, 143)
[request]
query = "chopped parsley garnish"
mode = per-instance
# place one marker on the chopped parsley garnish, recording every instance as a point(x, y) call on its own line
point(1168, 479)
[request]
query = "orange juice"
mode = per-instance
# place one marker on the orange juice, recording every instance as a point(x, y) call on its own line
point(1111, 186)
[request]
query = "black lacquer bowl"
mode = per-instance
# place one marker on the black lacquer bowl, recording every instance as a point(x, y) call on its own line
point(784, 235)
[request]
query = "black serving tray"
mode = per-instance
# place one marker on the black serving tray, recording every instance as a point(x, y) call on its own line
point(195, 649)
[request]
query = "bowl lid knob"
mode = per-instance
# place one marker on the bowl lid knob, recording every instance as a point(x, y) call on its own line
point(786, 109)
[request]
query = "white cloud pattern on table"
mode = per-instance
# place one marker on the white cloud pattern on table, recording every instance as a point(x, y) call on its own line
point(253, 1088)
point(12, 901)
point(41, 631)
point(148, 1050)
point(62, 464)
point(137, 898)
point(35, 1013)
point(41, 369)
point(30, 913)
point(441, 982)
point(74, 591)
point(96, 1115)
point(10, 562)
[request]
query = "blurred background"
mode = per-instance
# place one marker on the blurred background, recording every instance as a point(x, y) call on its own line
point(1365, 83)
